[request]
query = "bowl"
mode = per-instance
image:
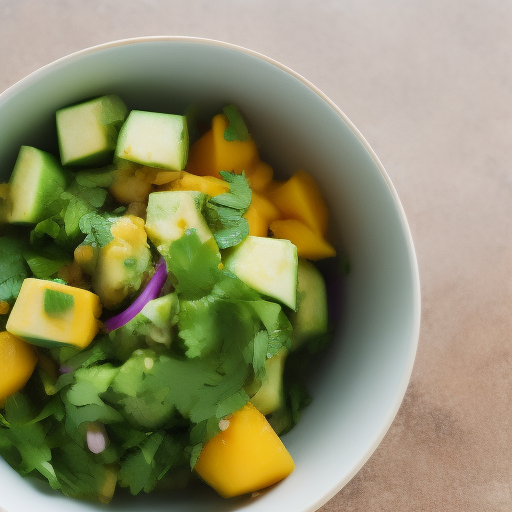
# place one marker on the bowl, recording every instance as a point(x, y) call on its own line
point(359, 383)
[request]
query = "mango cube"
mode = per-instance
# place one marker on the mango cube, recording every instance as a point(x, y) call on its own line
point(300, 198)
point(17, 362)
point(310, 244)
point(245, 457)
point(47, 313)
point(260, 175)
point(260, 214)
point(209, 185)
point(212, 153)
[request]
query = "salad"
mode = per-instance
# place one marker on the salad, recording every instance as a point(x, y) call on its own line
point(158, 304)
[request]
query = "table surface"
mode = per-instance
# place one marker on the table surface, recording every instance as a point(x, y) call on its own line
point(429, 84)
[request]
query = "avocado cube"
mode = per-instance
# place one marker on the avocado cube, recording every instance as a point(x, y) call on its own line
point(154, 139)
point(88, 132)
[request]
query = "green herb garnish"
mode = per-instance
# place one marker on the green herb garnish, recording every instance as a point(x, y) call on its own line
point(56, 302)
point(224, 213)
point(13, 269)
point(237, 129)
point(97, 228)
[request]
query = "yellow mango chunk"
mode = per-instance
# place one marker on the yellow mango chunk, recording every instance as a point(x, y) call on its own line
point(75, 325)
point(129, 187)
point(300, 198)
point(245, 457)
point(310, 244)
point(209, 185)
point(157, 176)
point(260, 214)
point(212, 153)
point(17, 362)
point(121, 264)
point(259, 175)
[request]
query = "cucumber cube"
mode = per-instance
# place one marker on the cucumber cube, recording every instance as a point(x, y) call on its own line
point(269, 265)
point(154, 139)
point(36, 182)
point(170, 213)
point(310, 321)
point(88, 132)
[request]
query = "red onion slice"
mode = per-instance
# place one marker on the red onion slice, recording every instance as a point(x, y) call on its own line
point(151, 292)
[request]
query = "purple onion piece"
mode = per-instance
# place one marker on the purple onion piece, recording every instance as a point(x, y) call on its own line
point(65, 369)
point(152, 291)
point(96, 437)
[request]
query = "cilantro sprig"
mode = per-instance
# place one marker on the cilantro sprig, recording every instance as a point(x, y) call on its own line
point(236, 129)
point(224, 212)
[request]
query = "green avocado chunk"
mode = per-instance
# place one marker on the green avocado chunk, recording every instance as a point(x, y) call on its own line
point(154, 139)
point(88, 132)
point(310, 321)
point(37, 181)
point(268, 265)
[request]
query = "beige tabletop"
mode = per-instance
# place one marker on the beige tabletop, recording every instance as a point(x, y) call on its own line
point(429, 84)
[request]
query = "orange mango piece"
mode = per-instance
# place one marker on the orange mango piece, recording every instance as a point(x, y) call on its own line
point(129, 188)
point(300, 198)
point(212, 153)
point(156, 176)
point(310, 244)
point(207, 184)
point(17, 362)
point(245, 457)
point(259, 175)
point(260, 214)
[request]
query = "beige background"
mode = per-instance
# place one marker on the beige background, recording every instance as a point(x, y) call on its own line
point(429, 84)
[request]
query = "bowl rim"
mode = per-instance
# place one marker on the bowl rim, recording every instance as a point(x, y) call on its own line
point(414, 270)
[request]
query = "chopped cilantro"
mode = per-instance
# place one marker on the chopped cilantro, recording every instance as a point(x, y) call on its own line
point(46, 262)
point(97, 228)
point(237, 129)
point(56, 302)
point(13, 269)
point(193, 265)
point(224, 212)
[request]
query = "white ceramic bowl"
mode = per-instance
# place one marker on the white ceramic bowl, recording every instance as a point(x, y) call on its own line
point(362, 379)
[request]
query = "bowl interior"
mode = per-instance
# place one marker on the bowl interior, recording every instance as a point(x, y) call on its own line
point(359, 384)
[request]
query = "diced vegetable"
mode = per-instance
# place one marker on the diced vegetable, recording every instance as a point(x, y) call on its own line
point(268, 265)
point(116, 252)
point(260, 214)
point(154, 139)
point(300, 198)
point(170, 214)
point(212, 153)
point(36, 183)
point(88, 132)
point(17, 362)
point(150, 292)
point(310, 321)
point(209, 185)
point(59, 314)
point(259, 175)
point(310, 244)
point(270, 396)
point(246, 456)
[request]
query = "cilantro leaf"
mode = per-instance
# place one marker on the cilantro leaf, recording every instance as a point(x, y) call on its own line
point(97, 228)
point(46, 262)
point(224, 212)
point(194, 266)
point(276, 323)
point(239, 195)
point(13, 269)
point(23, 444)
point(237, 129)
point(57, 302)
